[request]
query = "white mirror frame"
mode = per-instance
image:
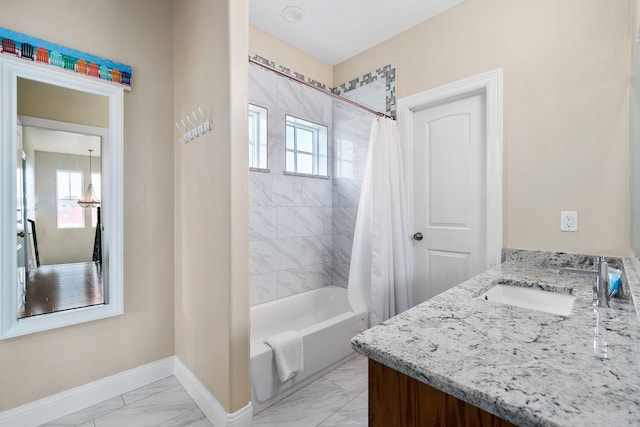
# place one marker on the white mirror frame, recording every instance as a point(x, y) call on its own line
point(112, 237)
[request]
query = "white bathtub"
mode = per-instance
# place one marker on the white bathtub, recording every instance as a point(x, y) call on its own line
point(327, 324)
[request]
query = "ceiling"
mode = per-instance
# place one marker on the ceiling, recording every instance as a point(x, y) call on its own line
point(55, 141)
point(335, 30)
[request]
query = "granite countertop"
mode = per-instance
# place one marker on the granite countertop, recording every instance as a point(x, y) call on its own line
point(528, 367)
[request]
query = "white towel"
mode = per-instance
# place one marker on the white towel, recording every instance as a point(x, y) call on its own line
point(288, 352)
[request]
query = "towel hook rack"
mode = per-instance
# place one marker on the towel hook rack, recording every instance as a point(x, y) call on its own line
point(194, 128)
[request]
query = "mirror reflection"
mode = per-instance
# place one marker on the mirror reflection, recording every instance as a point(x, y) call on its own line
point(59, 243)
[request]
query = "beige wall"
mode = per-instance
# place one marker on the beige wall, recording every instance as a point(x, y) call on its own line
point(284, 54)
point(566, 99)
point(139, 34)
point(634, 149)
point(37, 99)
point(212, 207)
point(636, 18)
point(60, 245)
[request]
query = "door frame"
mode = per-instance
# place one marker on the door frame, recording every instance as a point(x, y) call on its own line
point(490, 84)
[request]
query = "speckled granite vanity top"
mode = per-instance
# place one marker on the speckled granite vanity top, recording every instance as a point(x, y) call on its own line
point(528, 367)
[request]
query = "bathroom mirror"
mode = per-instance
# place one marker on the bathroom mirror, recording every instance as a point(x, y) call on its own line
point(61, 263)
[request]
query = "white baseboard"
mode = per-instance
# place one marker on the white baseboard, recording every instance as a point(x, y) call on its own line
point(61, 404)
point(208, 404)
point(53, 407)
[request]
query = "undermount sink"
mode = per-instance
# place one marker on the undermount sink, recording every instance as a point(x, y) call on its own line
point(532, 296)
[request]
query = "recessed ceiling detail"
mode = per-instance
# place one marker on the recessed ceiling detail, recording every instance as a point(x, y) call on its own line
point(292, 14)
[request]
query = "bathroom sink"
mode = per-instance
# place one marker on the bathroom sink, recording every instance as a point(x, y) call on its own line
point(532, 296)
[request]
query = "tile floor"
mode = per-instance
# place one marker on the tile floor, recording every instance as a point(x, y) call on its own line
point(339, 398)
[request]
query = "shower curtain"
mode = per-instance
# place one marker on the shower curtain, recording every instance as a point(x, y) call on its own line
point(379, 274)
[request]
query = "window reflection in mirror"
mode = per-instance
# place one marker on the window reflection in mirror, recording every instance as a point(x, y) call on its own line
point(61, 263)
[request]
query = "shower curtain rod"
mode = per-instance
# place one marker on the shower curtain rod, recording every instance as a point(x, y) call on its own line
point(342, 98)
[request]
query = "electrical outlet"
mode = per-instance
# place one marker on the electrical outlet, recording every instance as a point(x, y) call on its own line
point(568, 221)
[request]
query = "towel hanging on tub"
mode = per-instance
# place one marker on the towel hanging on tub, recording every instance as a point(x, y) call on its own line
point(288, 352)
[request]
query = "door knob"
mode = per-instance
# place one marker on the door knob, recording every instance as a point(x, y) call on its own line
point(418, 236)
point(21, 234)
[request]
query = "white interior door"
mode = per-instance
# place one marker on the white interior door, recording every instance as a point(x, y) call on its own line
point(449, 194)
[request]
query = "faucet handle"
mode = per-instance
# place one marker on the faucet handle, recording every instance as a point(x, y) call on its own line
point(604, 258)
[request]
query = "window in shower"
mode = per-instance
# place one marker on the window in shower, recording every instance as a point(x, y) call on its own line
point(306, 147)
point(257, 137)
point(345, 158)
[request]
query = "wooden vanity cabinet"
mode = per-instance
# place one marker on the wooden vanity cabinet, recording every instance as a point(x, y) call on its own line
point(398, 400)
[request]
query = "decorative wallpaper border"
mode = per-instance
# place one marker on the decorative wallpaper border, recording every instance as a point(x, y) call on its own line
point(388, 73)
point(44, 52)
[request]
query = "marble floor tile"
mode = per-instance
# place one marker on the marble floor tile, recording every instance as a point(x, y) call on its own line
point(88, 414)
point(149, 390)
point(150, 412)
point(353, 414)
point(351, 376)
point(193, 418)
point(307, 407)
point(337, 399)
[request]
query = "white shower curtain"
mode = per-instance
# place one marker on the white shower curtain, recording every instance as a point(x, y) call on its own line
point(379, 275)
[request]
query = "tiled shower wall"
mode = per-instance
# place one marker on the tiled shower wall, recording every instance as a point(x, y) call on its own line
point(290, 217)
point(351, 131)
point(301, 228)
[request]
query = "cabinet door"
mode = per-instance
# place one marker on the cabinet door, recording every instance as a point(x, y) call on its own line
point(398, 400)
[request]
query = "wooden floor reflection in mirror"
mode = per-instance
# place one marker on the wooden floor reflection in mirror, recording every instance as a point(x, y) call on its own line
point(61, 287)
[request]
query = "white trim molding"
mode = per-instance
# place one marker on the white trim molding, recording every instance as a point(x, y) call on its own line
point(112, 147)
point(78, 398)
point(208, 403)
point(489, 83)
point(53, 407)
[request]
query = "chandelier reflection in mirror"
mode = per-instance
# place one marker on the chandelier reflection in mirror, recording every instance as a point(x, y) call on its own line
point(89, 200)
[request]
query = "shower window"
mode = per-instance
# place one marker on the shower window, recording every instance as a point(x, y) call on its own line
point(257, 137)
point(306, 147)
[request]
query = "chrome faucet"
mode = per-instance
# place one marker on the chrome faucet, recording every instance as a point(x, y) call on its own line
point(601, 273)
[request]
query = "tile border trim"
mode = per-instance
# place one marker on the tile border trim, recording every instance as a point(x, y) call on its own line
point(289, 71)
point(386, 73)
